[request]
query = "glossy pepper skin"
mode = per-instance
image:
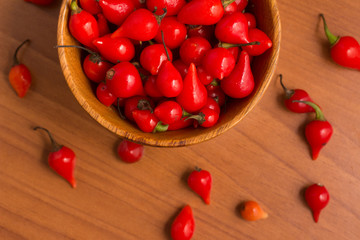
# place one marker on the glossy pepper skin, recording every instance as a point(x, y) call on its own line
point(317, 132)
point(296, 94)
point(183, 226)
point(345, 50)
point(317, 197)
point(19, 75)
point(61, 159)
point(200, 181)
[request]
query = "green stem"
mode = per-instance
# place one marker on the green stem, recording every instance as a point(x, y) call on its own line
point(16, 61)
point(229, 45)
point(226, 3)
point(163, 40)
point(319, 114)
point(74, 7)
point(161, 127)
point(332, 38)
point(160, 17)
point(199, 117)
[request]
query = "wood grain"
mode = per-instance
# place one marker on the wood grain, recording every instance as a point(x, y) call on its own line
point(263, 158)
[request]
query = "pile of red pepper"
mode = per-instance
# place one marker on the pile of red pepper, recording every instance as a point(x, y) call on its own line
point(167, 65)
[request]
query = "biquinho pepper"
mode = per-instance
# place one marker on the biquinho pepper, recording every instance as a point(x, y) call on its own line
point(318, 132)
point(345, 50)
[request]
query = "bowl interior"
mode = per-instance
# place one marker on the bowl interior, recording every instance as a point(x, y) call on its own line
point(268, 19)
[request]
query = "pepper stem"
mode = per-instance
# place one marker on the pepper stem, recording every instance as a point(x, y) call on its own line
point(163, 41)
point(318, 112)
point(160, 17)
point(229, 45)
point(161, 127)
point(288, 92)
point(95, 57)
point(200, 117)
point(74, 7)
point(332, 38)
point(55, 146)
point(16, 61)
point(226, 3)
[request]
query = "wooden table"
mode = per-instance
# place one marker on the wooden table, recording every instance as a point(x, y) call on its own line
point(264, 158)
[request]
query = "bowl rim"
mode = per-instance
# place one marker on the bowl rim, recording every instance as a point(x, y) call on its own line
point(171, 140)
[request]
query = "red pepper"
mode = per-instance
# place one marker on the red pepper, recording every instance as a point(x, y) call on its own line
point(345, 50)
point(174, 32)
point(61, 159)
point(233, 28)
point(130, 152)
point(148, 122)
point(194, 95)
point(200, 181)
point(172, 6)
point(317, 132)
point(218, 62)
point(116, 11)
point(201, 12)
point(240, 83)
point(168, 112)
point(104, 95)
point(152, 57)
point(133, 27)
point(296, 94)
point(183, 226)
point(19, 75)
point(91, 6)
point(206, 117)
point(317, 197)
point(82, 25)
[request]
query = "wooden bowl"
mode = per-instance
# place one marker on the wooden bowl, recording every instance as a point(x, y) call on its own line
point(268, 19)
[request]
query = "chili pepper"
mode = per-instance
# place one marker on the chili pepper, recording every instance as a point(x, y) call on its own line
point(233, 28)
point(94, 65)
point(137, 102)
point(172, 6)
point(104, 95)
point(212, 104)
point(133, 27)
point(206, 117)
point(148, 122)
point(251, 20)
point(317, 198)
point(130, 152)
point(40, 2)
point(236, 6)
point(153, 56)
point(204, 31)
point(180, 124)
point(251, 211)
point(169, 81)
point(183, 226)
point(116, 11)
point(194, 95)
point(124, 80)
point(214, 91)
point(200, 181)
point(61, 159)
point(168, 112)
point(91, 6)
point(174, 32)
point(82, 25)
point(317, 132)
point(202, 12)
point(296, 94)
point(181, 67)
point(240, 83)
point(115, 50)
point(103, 25)
point(218, 62)
point(193, 49)
point(344, 50)
point(19, 75)
point(151, 88)
point(256, 35)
